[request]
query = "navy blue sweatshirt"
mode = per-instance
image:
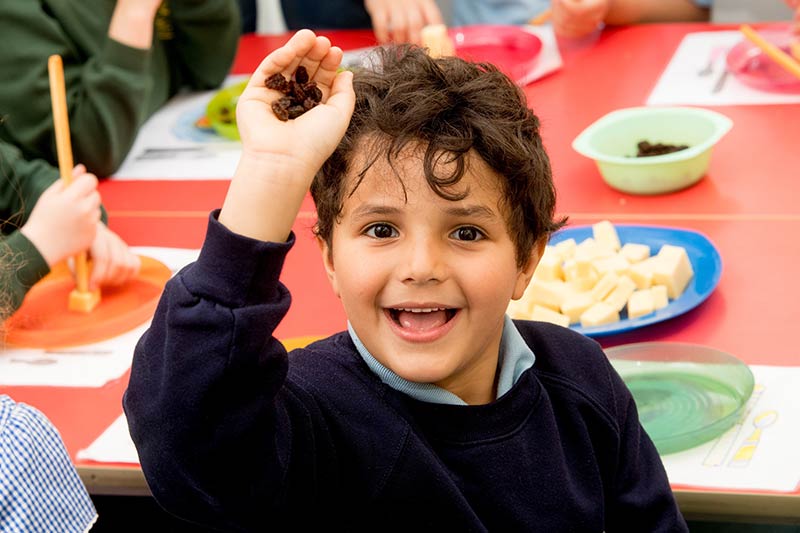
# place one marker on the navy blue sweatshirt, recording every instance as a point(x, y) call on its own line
point(233, 433)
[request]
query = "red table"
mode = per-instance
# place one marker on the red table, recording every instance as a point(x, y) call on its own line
point(746, 205)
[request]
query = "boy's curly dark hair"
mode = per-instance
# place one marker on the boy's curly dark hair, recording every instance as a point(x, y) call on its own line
point(451, 107)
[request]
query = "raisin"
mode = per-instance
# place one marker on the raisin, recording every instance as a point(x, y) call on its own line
point(277, 82)
point(280, 111)
point(301, 75)
point(295, 111)
point(301, 94)
point(312, 91)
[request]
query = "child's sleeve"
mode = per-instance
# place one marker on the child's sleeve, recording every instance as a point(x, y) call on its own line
point(206, 404)
point(206, 35)
point(642, 498)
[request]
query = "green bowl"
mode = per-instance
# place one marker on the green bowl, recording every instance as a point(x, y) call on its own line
point(612, 142)
point(221, 110)
point(686, 394)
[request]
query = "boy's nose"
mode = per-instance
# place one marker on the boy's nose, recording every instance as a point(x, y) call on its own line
point(425, 261)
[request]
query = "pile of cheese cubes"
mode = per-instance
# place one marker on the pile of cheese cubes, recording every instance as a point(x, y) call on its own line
point(593, 281)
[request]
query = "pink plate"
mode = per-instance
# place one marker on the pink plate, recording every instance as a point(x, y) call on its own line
point(512, 49)
point(752, 67)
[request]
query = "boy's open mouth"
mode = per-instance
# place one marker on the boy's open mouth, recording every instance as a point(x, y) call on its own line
point(421, 319)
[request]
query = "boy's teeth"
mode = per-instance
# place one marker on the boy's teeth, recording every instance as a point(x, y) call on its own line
point(422, 310)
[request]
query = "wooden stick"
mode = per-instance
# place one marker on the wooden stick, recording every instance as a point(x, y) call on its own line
point(81, 298)
point(780, 57)
point(541, 18)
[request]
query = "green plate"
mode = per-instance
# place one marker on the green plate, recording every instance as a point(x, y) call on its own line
point(221, 110)
point(686, 394)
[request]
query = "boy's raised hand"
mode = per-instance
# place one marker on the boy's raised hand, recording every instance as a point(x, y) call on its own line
point(280, 158)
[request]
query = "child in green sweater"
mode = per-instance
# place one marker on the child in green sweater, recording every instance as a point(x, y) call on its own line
point(123, 59)
point(46, 222)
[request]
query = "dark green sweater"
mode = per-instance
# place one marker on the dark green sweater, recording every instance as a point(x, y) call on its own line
point(111, 88)
point(21, 184)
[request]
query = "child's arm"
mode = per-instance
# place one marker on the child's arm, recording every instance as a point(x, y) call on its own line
point(279, 159)
point(223, 439)
point(402, 20)
point(577, 18)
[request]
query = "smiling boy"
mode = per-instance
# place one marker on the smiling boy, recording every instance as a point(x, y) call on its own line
point(433, 411)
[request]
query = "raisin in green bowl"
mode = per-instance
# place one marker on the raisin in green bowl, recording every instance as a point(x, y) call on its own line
point(221, 110)
point(612, 142)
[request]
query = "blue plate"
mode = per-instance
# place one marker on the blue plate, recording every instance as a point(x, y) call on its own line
point(705, 259)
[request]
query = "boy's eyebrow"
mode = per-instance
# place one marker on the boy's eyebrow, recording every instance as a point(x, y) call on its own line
point(469, 211)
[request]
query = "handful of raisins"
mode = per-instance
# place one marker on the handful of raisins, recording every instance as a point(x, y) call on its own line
point(301, 94)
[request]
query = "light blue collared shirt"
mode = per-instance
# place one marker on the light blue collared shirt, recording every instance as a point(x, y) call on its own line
point(515, 358)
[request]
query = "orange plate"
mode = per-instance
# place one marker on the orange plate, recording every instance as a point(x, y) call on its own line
point(44, 321)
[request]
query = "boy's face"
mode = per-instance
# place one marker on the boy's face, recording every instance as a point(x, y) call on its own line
point(425, 282)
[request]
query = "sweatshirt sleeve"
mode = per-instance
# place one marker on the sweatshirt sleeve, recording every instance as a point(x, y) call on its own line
point(206, 405)
point(206, 36)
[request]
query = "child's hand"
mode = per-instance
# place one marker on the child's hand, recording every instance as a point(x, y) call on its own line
point(402, 21)
point(113, 263)
point(64, 220)
point(309, 139)
point(578, 18)
point(280, 158)
point(132, 22)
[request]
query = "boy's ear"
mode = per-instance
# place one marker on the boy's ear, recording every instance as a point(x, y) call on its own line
point(526, 272)
point(327, 261)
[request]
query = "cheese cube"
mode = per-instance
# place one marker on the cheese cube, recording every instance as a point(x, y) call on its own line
point(576, 269)
point(603, 287)
point(605, 235)
point(635, 252)
point(642, 273)
point(549, 267)
point(640, 303)
point(575, 304)
point(547, 293)
point(616, 264)
point(589, 250)
point(519, 309)
point(599, 314)
point(673, 269)
point(566, 249)
point(660, 298)
point(545, 314)
point(619, 296)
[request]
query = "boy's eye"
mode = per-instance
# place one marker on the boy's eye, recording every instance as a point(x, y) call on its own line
point(467, 233)
point(381, 231)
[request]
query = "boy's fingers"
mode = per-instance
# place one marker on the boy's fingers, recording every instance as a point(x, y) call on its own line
point(314, 56)
point(329, 66)
point(286, 58)
point(342, 96)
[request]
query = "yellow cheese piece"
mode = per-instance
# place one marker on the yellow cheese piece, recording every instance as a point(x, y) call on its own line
point(566, 249)
point(615, 263)
point(548, 293)
point(634, 252)
point(599, 314)
point(673, 269)
point(549, 267)
point(604, 286)
point(642, 273)
point(640, 303)
point(575, 304)
point(660, 297)
point(605, 235)
point(519, 309)
point(435, 38)
point(544, 314)
point(619, 296)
